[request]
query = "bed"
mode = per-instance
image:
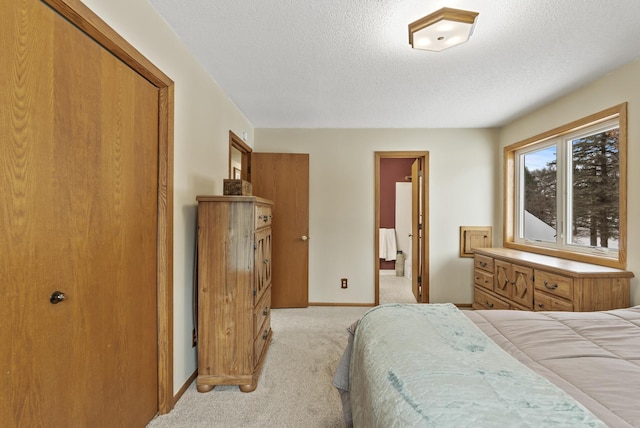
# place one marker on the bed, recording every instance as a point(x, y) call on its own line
point(410, 365)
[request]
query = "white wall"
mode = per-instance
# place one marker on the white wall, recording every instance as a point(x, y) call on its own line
point(404, 201)
point(615, 88)
point(203, 118)
point(463, 174)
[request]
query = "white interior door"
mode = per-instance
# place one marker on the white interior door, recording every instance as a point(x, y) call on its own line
point(403, 223)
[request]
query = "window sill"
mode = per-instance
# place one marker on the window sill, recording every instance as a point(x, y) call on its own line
point(619, 263)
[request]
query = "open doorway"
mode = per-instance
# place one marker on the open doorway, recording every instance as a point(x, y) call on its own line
point(401, 227)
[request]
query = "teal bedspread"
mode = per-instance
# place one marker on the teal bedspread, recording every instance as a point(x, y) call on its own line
point(430, 366)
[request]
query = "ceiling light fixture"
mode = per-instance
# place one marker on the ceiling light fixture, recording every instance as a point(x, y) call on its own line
point(442, 29)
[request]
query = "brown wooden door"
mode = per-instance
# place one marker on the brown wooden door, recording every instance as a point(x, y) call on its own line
point(284, 179)
point(78, 182)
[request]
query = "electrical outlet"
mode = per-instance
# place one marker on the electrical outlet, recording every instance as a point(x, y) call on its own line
point(343, 283)
point(194, 339)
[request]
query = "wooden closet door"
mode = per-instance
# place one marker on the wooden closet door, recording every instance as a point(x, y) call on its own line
point(78, 182)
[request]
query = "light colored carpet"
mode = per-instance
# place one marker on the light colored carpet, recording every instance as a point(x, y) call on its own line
point(294, 389)
point(395, 289)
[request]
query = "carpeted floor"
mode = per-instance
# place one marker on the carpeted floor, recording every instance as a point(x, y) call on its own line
point(295, 387)
point(395, 289)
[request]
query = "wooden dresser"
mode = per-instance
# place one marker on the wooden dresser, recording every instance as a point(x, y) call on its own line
point(234, 290)
point(512, 279)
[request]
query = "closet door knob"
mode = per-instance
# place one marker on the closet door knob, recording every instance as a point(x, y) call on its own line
point(304, 237)
point(57, 297)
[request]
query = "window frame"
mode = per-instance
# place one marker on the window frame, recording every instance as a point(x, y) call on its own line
point(560, 134)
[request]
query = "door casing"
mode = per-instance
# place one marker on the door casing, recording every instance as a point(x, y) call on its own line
point(424, 160)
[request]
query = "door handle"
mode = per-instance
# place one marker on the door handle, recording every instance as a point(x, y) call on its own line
point(304, 237)
point(57, 297)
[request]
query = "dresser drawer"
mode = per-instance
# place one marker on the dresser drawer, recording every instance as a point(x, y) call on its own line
point(263, 216)
point(264, 335)
point(484, 300)
point(556, 285)
point(261, 311)
point(483, 279)
point(544, 302)
point(483, 263)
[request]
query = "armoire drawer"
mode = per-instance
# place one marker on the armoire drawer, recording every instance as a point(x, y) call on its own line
point(262, 310)
point(261, 339)
point(263, 216)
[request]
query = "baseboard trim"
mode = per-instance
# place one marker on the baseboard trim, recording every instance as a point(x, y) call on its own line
point(184, 388)
point(341, 304)
point(459, 305)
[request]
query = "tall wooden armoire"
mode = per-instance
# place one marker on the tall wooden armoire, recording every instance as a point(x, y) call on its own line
point(234, 290)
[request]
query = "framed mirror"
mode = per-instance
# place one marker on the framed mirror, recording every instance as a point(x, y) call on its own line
point(239, 158)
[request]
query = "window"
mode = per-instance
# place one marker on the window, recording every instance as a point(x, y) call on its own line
point(566, 191)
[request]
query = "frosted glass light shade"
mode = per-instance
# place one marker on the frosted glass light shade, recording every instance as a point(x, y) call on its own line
point(442, 29)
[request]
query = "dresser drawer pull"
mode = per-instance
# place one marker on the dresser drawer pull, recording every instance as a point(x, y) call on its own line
point(550, 287)
point(265, 311)
point(483, 264)
point(266, 261)
point(264, 218)
point(540, 305)
point(265, 334)
point(488, 305)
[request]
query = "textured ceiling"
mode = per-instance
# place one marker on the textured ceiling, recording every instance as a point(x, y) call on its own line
point(348, 63)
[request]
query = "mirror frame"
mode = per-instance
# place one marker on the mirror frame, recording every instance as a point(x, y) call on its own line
point(236, 142)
